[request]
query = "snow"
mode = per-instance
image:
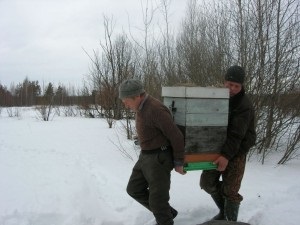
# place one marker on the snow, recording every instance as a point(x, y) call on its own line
point(70, 171)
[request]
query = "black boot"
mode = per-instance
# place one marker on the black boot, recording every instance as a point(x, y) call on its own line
point(219, 200)
point(231, 210)
point(173, 212)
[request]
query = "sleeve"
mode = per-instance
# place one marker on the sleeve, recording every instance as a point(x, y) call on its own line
point(165, 123)
point(236, 131)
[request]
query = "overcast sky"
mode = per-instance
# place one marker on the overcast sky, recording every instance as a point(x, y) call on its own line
point(44, 39)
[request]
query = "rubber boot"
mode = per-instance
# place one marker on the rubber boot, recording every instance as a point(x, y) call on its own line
point(231, 210)
point(219, 200)
point(173, 212)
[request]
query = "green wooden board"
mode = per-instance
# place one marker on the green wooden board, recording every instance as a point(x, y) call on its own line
point(199, 166)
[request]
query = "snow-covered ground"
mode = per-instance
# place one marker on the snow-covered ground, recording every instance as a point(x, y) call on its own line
point(69, 171)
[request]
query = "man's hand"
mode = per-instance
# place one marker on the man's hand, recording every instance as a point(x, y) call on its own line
point(222, 163)
point(179, 169)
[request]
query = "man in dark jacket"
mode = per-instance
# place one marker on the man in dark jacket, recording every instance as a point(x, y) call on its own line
point(162, 149)
point(241, 137)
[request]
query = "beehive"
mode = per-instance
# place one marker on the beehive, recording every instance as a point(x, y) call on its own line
point(201, 113)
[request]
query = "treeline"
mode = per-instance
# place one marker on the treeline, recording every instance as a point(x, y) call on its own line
point(30, 93)
point(263, 36)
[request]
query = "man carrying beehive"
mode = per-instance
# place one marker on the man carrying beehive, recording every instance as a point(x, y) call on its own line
point(162, 149)
point(240, 138)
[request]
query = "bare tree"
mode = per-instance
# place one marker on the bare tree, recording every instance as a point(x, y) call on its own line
point(278, 42)
point(168, 60)
point(260, 35)
point(292, 147)
point(203, 44)
point(109, 70)
point(263, 36)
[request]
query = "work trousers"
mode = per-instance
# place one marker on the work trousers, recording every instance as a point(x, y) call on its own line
point(231, 179)
point(149, 184)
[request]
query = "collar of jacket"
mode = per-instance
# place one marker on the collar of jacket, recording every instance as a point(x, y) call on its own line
point(234, 100)
point(142, 103)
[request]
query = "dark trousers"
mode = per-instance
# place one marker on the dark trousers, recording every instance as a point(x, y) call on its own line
point(149, 184)
point(231, 180)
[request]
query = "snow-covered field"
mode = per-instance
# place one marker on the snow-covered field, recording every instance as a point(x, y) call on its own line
point(69, 171)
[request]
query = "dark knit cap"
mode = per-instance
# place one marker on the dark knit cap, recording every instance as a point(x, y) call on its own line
point(130, 88)
point(235, 74)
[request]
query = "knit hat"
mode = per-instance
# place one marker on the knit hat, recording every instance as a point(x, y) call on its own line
point(130, 88)
point(235, 74)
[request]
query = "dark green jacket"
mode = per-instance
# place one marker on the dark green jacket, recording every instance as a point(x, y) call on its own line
point(241, 135)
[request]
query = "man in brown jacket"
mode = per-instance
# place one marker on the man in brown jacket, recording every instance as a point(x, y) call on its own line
point(162, 149)
point(241, 137)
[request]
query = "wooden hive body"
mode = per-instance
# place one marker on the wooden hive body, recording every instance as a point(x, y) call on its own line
point(201, 113)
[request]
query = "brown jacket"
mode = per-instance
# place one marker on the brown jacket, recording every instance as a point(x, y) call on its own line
point(155, 128)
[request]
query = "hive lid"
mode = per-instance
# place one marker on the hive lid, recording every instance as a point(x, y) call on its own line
point(195, 92)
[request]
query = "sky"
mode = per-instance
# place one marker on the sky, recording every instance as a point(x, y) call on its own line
point(46, 40)
point(70, 171)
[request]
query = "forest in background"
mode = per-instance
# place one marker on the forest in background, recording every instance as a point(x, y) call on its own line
point(263, 36)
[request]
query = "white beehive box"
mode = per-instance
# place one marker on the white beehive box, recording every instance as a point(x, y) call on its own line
point(201, 113)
